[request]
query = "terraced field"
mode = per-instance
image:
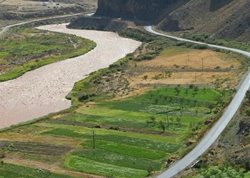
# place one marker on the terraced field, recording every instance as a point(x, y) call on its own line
point(132, 119)
point(13, 171)
point(132, 137)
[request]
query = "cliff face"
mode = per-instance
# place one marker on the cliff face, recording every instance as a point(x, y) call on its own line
point(139, 10)
point(220, 18)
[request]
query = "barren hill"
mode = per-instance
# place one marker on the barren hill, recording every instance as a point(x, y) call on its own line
point(220, 18)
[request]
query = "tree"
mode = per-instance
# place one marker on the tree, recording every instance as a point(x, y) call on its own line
point(178, 120)
point(152, 120)
point(177, 90)
point(210, 106)
point(150, 170)
point(168, 123)
point(248, 95)
point(167, 74)
point(171, 121)
point(162, 126)
point(94, 143)
point(247, 165)
point(248, 112)
point(145, 77)
point(191, 86)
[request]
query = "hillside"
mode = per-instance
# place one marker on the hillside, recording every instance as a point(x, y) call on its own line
point(140, 10)
point(193, 16)
point(202, 17)
point(13, 11)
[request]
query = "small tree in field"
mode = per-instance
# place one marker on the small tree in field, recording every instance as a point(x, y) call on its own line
point(145, 77)
point(150, 170)
point(94, 144)
point(162, 126)
point(178, 120)
point(248, 95)
point(210, 106)
point(152, 120)
point(248, 112)
point(177, 90)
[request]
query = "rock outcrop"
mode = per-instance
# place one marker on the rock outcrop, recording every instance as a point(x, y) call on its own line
point(228, 19)
point(139, 10)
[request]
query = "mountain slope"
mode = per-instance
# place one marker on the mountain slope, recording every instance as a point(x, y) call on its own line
point(224, 19)
point(228, 19)
point(139, 10)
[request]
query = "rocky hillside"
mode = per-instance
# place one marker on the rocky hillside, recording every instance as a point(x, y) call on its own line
point(228, 19)
point(139, 10)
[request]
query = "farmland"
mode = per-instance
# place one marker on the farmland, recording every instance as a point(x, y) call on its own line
point(135, 135)
point(13, 171)
point(125, 122)
point(229, 158)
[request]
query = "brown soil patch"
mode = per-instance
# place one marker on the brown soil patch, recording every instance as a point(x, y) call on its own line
point(38, 138)
point(185, 67)
point(193, 59)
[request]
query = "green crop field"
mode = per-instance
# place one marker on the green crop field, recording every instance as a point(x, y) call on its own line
point(13, 171)
point(106, 134)
point(132, 137)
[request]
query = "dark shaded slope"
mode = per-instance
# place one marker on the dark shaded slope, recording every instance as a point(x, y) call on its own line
point(228, 19)
point(139, 10)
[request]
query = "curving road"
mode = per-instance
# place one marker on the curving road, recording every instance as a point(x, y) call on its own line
point(213, 134)
point(6, 28)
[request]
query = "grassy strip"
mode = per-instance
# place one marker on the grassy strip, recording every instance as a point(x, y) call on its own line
point(94, 167)
point(118, 159)
point(222, 42)
point(14, 171)
point(31, 52)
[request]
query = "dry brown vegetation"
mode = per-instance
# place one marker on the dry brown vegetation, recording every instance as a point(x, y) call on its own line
point(185, 67)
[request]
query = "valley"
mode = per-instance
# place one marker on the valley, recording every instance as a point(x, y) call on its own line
point(138, 89)
point(136, 102)
point(39, 96)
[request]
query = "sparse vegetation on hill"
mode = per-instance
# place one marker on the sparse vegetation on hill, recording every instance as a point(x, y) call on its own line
point(225, 171)
point(230, 156)
point(222, 42)
point(222, 19)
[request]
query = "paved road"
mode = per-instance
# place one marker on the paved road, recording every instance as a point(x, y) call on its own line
point(6, 28)
point(208, 140)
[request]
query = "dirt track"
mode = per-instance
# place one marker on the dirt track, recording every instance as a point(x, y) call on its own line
point(42, 91)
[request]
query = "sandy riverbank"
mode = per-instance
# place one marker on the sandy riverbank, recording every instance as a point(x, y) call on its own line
point(42, 91)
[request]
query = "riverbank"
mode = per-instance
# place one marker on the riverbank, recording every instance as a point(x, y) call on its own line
point(42, 91)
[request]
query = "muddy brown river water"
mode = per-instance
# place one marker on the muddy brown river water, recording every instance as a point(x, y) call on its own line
point(42, 91)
